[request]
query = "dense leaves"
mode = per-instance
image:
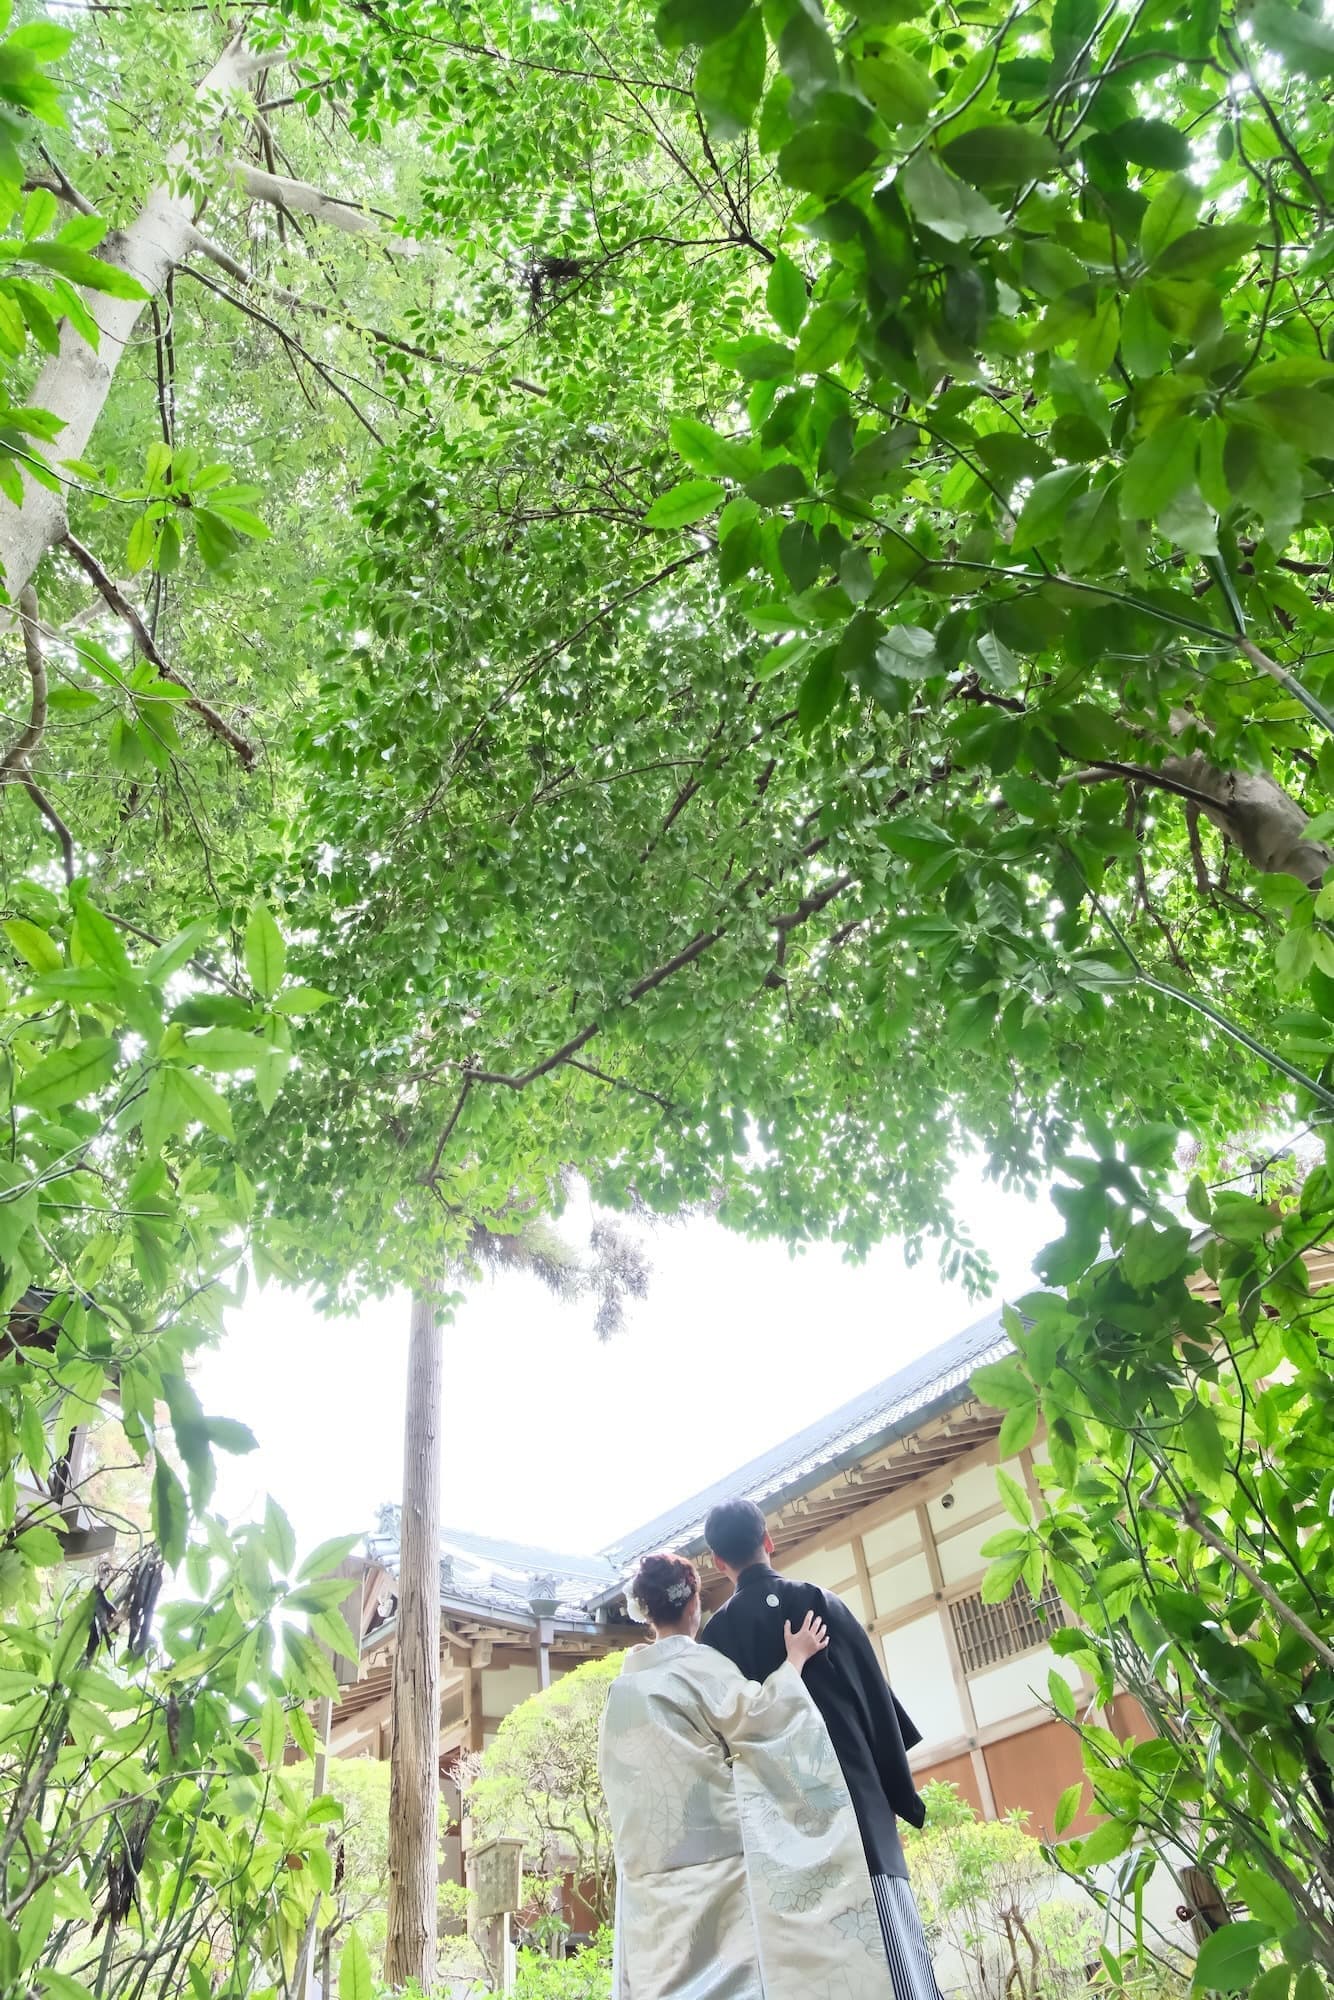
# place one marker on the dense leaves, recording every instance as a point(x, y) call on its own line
point(1185, 1520)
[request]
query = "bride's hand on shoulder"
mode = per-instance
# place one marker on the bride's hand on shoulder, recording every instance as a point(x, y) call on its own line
point(810, 1638)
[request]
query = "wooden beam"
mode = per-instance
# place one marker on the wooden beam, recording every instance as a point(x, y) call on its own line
point(918, 1489)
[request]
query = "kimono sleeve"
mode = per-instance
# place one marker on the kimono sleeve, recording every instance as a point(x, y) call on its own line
point(893, 1733)
point(746, 1712)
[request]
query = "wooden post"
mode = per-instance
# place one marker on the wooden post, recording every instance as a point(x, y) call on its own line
point(864, 1580)
point(544, 1638)
point(414, 1786)
point(981, 1775)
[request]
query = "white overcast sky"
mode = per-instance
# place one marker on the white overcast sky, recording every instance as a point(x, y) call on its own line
point(551, 1437)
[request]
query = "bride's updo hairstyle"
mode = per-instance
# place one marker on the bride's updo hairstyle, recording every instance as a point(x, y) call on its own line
point(663, 1587)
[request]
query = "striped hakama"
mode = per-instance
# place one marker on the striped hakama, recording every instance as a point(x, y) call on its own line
point(910, 1965)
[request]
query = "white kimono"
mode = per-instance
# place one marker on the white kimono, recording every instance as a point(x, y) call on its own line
point(740, 1871)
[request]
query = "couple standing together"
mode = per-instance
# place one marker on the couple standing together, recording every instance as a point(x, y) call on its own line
point(754, 1782)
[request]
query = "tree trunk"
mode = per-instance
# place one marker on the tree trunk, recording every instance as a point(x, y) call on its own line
point(414, 1792)
point(75, 382)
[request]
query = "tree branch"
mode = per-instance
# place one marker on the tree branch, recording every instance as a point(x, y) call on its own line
point(117, 601)
point(15, 763)
point(204, 246)
point(301, 198)
point(15, 770)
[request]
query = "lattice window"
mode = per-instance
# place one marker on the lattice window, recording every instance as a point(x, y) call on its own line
point(990, 1633)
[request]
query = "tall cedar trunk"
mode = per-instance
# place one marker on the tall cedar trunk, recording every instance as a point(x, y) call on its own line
point(414, 1791)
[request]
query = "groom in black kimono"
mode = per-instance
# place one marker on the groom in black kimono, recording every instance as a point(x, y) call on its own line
point(870, 1733)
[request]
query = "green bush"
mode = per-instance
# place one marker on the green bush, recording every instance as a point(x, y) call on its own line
point(985, 1889)
point(585, 1975)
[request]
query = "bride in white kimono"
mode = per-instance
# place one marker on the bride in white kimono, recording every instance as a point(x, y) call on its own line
point(740, 1871)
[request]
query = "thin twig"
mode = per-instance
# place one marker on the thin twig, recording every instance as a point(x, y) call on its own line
point(116, 599)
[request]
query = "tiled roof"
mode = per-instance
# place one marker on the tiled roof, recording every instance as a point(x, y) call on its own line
point(894, 1407)
point(502, 1576)
point(505, 1577)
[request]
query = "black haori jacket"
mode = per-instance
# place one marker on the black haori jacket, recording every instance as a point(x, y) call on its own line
point(870, 1733)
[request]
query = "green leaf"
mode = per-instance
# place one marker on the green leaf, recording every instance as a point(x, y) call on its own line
point(226, 1049)
point(1229, 1960)
point(1001, 1578)
point(1169, 215)
point(908, 652)
point(682, 22)
point(1204, 1443)
point(171, 1514)
point(354, 1970)
point(1003, 1385)
point(1061, 1694)
point(200, 1100)
point(1106, 1843)
point(1018, 1429)
point(946, 204)
point(139, 549)
point(265, 952)
point(1266, 1899)
point(1159, 469)
point(819, 692)
point(1152, 142)
point(827, 335)
point(824, 158)
point(729, 78)
point(778, 485)
point(1304, 41)
point(68, 1075)
point(799, 553)
point(1014, 1498)
point(35, 946)
point(685, 504)
point(272, 1733)
point(1067, 1807)
point(96, 941)
point(278, 1536)
point(785, 295)
point(706, 450)
point(1202, 253)
point(325, 1559)
point(1044, 513)
point(1001, 156)
point(299, 1000)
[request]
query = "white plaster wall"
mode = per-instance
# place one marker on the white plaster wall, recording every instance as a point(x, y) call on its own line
point(970, 1493)
point(1016, 1685)
point(891, 1538)
point(855, 1598)
point(503, 1688)
point(961, 1557)
point(830, 1567)
point(902, 1583)
point(918, 1666)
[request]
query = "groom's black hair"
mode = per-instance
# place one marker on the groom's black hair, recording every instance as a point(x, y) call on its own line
point(735, 1530)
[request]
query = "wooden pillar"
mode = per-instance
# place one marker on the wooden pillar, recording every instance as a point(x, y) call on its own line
point(414, 1791)
point(981, 1775)
point(545, 1633)
point(474, 1712)
point(864, 1579)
